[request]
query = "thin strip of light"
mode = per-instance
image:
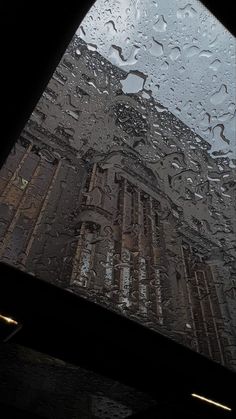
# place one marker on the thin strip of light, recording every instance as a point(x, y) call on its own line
point(8, 319)
point(210, 401)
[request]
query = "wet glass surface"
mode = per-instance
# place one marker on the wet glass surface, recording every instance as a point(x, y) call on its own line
point(121, 186)
point(41, 385)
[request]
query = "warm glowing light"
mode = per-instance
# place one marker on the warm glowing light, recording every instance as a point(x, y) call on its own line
point(8, 320)
point(210, 401)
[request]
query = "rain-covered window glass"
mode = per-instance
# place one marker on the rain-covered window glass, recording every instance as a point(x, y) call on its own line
point(122, 184)
point(47, 387)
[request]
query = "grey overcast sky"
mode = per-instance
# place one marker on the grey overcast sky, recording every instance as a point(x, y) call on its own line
point(185, 52)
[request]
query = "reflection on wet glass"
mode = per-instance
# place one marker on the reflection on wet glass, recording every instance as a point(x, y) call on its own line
point(62, 390)
point(121, 186)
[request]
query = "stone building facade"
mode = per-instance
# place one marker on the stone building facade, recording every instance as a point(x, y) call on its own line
point(111, 196)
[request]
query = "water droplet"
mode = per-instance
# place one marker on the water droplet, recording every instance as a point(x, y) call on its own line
point(92, 47)
point(205, 53)
point(187, 105)
point(187, 11)
point(218, 134)
point(110, 25)
point(160, 25)
point(219, 96)
point(214, 42)
point(165, 65)
point(156, 49)
point(160, 108)
point(231, 107)
point(133, 83)
point(199, 105)
point(205, 120)
point(175, 53)
point(81, 32)
point(146, 95)
point(215, 65)
point(224, 117)
point(117, 57)
point(191, 51)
